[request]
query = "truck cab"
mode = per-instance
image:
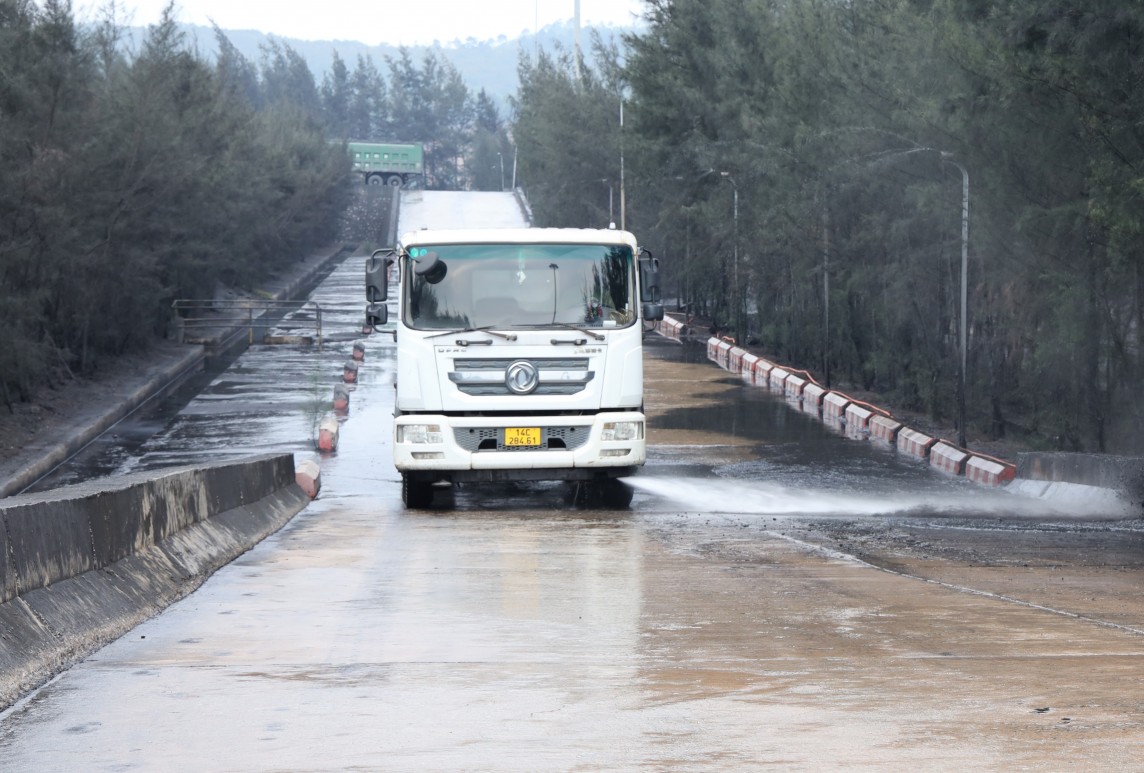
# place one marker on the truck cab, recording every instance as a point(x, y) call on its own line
point(519, 356)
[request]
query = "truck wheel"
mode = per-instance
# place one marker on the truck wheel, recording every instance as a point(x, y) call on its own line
point(394, 181)
point(416, 494)
point(616, 494)
point(374, 179)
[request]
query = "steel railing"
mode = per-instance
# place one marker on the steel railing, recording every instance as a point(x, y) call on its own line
point(219, 321)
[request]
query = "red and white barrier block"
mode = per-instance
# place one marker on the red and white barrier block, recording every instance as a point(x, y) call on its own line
point(989, 472)
point(793, 388)
point(777, 380)
point(350, 372)
point(735, 359)
point(722, 355)
point(328, 431)
point(713, 349)
point(763, 370)
point(885, 429)
point(948, 457)
point(915, 443)
point(834, 408)
point(308, 475)
point(748, 367)
point(857, 421)
point(812, 395)
point(670, 328)
point(341, 399)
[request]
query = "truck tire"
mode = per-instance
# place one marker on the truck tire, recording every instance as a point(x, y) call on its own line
point(394, 181)
point(616, 494)
point(416, 494)
point(374, 179)
point(610, 493)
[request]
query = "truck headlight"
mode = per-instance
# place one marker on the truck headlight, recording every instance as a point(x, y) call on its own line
point(622, 430)
point(419, 433)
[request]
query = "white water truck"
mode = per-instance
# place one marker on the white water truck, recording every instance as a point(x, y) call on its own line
point(519, 357)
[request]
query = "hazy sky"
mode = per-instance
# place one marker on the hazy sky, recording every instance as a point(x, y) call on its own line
point(397, 22)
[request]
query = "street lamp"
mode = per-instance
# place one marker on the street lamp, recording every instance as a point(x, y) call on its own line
point(963, 333)
point(735, 256)
point(964, 296)
point(607, 182)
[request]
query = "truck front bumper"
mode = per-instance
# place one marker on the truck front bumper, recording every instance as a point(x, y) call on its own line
point(474, 447)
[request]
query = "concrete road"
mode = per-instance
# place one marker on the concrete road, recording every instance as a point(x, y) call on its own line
point(777, 598)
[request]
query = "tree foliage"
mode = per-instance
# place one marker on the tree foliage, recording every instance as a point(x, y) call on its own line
point(131, 181)
point(844, 130)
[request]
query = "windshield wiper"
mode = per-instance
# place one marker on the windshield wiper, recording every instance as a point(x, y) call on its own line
point(485, 329)
point(570, 326)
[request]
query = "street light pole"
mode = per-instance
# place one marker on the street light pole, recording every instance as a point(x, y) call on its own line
point(735, 255)
point(961, 441)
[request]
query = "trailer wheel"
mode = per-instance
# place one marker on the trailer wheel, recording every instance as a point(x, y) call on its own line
point(374, 179)
point(416, 494)
point(394, 181)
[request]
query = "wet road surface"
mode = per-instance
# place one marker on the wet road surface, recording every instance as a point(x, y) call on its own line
point(778, 597)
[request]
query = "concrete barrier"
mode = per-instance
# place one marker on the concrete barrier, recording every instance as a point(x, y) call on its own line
point(834, 405)
point(915, 443)
point(341, 399)
point(948, 458)
point(885, 429)
point(1123, 475)
point(735, 359)
point(358, 351)
point(763, 370)
point(857, 419)
point(989, 472)
point(747, 370)
point(834, 410)
point(350, 372)
point(793, 388)
point(776, 380)
point(81, 565)
point(308, 476)
point(328, 431)
point(670, 327)
point(722, 353)
point(812, 396)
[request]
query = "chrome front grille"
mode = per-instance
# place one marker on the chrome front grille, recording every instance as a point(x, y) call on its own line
point(486, 377)
point(552, 438)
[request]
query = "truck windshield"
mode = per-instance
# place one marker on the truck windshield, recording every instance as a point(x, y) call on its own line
point(511, 285)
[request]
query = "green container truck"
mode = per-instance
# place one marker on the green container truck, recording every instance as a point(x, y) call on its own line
point(387, 163)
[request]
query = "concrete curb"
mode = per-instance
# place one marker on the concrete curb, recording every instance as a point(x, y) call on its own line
point(59, 453)
point(82, 565)
point(156, 386)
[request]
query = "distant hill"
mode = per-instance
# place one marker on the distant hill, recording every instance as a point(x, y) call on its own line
point(488, 64)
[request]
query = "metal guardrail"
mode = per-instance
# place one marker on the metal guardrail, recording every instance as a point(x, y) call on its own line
point(213, 321)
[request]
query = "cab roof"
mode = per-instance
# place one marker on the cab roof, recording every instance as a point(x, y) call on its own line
point(519, 236)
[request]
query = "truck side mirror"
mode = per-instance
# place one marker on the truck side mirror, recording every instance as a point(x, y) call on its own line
point(649, 278)
point(376, 314)
point(377, 276)
point(653, 312)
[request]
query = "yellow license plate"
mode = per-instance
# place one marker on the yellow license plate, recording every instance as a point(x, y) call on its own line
point(521, 436)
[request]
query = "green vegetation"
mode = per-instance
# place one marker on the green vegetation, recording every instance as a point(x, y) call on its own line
point(129, 179)
point(843, 128)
